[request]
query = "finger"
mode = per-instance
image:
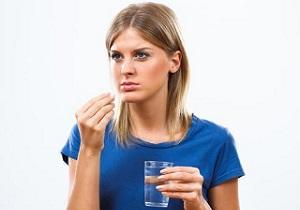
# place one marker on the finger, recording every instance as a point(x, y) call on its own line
point(153, 180)
point(89, 103)
point(180, 169)
point(192, 196)
point(102, 123)
point(100, 114)
point(182, 177)
point(179, 187)
point(96, 106)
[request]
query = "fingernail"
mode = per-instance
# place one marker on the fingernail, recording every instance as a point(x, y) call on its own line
point(160, 177)
point(163, 171)
point(158, 187)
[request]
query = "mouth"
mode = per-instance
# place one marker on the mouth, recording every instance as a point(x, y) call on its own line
point(129, 86)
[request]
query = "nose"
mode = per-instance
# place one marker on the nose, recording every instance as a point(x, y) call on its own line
point(127, 67)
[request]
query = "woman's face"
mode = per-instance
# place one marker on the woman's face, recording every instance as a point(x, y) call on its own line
point(140, 69)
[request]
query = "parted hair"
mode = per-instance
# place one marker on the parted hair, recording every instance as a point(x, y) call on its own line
point(157, 24)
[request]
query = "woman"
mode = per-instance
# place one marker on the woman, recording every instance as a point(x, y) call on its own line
point(106, 149)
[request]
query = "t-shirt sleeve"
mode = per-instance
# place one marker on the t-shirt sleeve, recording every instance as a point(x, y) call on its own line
point(228, 165)
point(71, 148)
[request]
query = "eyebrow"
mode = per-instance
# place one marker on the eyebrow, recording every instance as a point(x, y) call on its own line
point(134, 51)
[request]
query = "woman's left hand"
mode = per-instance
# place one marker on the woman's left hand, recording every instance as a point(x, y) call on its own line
point(183, 183)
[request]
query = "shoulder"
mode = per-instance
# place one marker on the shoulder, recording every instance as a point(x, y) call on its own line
point(215, 131)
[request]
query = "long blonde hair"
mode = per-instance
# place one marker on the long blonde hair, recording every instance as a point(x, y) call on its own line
point(157, 24)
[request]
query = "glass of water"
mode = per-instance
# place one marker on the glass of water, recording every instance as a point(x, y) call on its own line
point(153, 197)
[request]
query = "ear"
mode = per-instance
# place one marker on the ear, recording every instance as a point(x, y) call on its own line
point(175, 61)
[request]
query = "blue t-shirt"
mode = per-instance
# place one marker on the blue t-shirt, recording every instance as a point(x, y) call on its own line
point(207, 146)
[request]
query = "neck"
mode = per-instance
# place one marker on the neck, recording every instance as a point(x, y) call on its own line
point(149, 117)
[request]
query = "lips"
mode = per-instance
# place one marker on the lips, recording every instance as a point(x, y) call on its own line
point(129, 83)
point(129, 86)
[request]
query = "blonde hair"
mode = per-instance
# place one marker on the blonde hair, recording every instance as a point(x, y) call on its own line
point(157, 24)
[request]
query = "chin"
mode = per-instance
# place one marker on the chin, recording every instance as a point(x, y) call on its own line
point(131, 97)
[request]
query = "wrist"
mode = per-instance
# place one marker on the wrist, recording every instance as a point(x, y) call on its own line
point(199, 204)
point(88, 151)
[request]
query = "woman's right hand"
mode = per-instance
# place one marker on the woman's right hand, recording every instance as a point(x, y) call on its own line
point(92, 119)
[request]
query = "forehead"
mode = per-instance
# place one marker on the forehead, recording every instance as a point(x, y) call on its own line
point(131, 39)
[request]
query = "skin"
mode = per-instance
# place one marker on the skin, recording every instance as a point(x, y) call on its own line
point(149, 68)
point(92, 119)
point(134, 59)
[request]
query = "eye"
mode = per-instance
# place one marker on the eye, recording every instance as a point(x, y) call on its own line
point(116, 56)
point(141, 55)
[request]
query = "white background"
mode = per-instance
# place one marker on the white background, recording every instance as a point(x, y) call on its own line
point(245, 63)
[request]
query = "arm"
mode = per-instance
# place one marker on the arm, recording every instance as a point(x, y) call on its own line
point(84, 181)
point(92, 119)
point(224, 196)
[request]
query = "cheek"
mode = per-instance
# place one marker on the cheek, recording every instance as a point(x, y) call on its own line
point(155, 71)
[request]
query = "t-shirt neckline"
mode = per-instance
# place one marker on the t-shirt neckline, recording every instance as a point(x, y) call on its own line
point(141, 142)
